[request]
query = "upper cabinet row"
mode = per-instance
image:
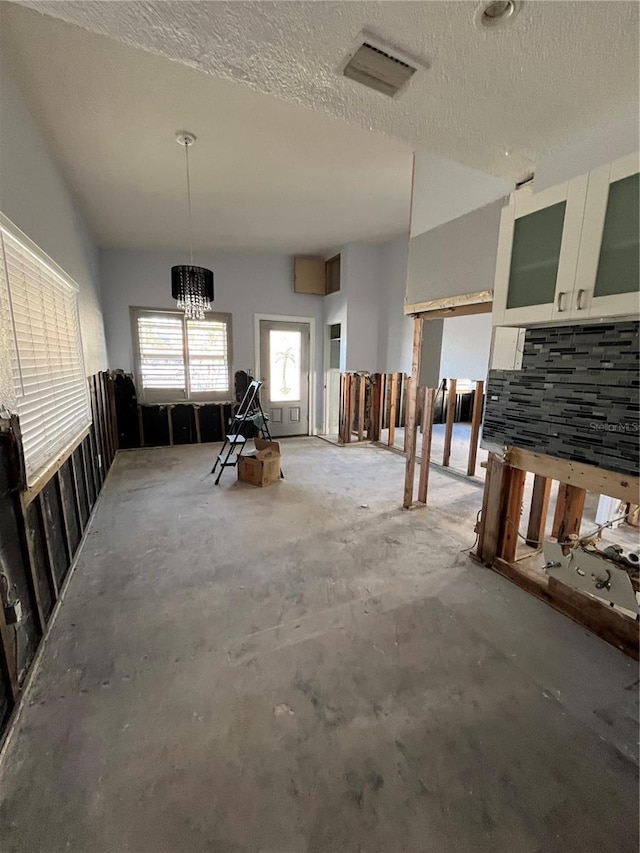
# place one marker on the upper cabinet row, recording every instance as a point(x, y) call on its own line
point(571, 252)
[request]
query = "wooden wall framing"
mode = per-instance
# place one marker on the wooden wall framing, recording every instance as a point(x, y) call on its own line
point(501, 523)
point(42, 529)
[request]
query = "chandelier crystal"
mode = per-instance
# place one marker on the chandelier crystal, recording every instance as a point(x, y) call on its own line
point(191, 286)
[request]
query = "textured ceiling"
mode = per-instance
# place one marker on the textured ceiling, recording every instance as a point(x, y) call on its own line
point(521, 88)
point(265, 174)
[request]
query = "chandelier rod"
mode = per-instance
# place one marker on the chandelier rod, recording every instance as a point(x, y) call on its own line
point(187, 143)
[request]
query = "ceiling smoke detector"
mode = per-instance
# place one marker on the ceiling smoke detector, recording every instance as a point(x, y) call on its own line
point(379, 67)
point(497, 12)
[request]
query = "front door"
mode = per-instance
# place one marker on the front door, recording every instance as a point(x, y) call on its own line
point(284, 365)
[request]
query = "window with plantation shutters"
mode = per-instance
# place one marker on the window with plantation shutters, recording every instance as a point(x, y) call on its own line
point(41, 325)
point(179, 359)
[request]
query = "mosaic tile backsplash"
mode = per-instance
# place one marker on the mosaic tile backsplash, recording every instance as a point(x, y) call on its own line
point(576, 396)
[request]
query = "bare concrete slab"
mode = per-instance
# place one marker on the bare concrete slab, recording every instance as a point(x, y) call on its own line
point(307, 668)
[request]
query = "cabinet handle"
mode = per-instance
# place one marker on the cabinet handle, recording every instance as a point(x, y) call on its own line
point(581, 293)
point(559, 301)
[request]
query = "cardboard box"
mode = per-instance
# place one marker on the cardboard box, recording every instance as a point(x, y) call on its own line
point(262, 467)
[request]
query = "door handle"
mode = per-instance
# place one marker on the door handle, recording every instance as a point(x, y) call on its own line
point(559, 301)
point(579, 296)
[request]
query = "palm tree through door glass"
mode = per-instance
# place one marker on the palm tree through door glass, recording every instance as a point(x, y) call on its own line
point(284, 358)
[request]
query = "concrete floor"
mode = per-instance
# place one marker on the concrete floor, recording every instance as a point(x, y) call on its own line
point(306, 668)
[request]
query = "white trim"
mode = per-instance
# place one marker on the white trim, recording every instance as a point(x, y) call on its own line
point(282, 318)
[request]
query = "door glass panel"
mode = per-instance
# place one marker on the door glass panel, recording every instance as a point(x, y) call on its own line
point(618, 269)
point(284, 365)
point(535, 256)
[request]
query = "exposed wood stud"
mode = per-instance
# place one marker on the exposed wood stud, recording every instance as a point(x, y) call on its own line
point(561, 499)
point(196, 417)
point(572, 515)
point(451, 414)
point(539, 510)
point(361, 405)
point(65, 502)
point(410, 428)
point(448, 303)
point(491, 518)
point(393, 409)
point(33, 569)
point(428, 410)
point(476, 421)
point(77, 493)
point(383, 403)
point(42, 513)
point(351, 407)
point(170, 424)
point(625, 487)
point(514, 488)
point(407, 404)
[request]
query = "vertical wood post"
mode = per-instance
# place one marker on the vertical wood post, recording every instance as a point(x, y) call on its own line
point(383, 403)
point(476, 420)
point(561, 499)
point(361, 408)
point(514, 492)
point(491, 517)
point(375, 389)
point(539, 510)
point(412, 409)
point(428, 408)
point(451, 413)
point(407, 403)
point(351, 398)
point(572, 515)
point(393, 409)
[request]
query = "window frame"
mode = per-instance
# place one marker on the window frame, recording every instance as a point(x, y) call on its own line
point(172, 395)
point(18, 400)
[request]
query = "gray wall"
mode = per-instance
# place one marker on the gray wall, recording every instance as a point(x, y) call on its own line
point(245, 284)
point(456, 258)
point(33, 195)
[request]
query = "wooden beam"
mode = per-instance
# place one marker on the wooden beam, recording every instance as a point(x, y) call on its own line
point(393, 410)
point(572, 515)
point(464, 299)
point(491, 517)
point(428, 409)
point(351, 399)
point(362, 387)
point(407, 403)
point(613, 626)
point(539, 510)
point(410, 425)
point(42, 516)
point(383, 403)
point(451, 413)
point(196, 417)
point(140, 426)
point(561, 499)
point(514, 492)
point(458, 311)
point(625, 487)
point(476, 422)
point(375, 392)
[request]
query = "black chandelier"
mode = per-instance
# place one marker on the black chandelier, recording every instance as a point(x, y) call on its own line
point(191, 286)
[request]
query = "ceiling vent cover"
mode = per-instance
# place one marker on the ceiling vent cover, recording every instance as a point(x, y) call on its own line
point(378, 69)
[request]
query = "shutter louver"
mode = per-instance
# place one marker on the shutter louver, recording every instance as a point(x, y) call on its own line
point(51, 395)
point(161, 352)
point(208, 356)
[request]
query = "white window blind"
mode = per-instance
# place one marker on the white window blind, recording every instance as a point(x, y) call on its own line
point(50, 387)
point(179, 359)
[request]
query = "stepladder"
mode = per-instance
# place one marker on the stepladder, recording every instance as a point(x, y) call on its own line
point(248, 414)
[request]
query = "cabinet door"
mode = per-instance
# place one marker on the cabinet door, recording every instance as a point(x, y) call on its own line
point(538, 253)
point(608, 277)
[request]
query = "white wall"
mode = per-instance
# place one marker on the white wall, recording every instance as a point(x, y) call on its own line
point(466, 342)
point(395, 330)
point(245, 284)
point(444, 190)
point(34, 197)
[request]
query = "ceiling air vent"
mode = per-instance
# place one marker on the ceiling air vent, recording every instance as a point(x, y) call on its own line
point(378, 69)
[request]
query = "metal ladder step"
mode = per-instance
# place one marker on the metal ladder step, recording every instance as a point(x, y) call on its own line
point(236, 438)
point(231, 462)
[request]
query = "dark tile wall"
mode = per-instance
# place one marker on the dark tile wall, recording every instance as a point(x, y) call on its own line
point(576, 396)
